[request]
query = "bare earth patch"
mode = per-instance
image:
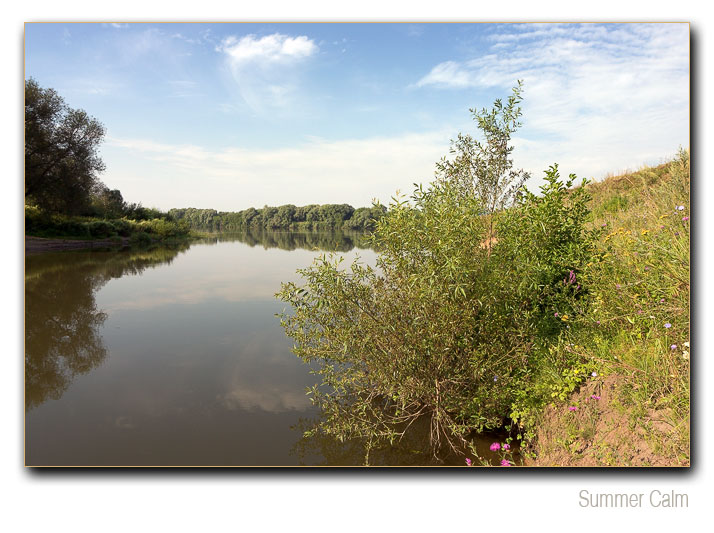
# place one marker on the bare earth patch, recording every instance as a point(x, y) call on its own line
point(601, 432)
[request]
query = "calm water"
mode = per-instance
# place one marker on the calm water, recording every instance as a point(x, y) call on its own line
point(175, 357)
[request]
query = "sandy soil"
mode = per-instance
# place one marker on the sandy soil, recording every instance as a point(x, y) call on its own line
point(599, 433)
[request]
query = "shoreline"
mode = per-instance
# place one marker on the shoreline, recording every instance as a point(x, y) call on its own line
point(34, 245)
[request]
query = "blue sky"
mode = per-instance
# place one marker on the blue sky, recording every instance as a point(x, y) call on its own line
point(229, 116)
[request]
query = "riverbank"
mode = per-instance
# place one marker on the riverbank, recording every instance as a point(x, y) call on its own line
point(629, 402)
point(35, 245)
point(38, 245)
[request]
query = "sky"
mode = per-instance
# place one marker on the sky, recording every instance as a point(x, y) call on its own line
point(229, 116)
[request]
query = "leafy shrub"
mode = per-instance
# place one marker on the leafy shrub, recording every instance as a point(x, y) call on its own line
point(101, 228)
point(122, 227)
point(451, 323)
point(164, 228)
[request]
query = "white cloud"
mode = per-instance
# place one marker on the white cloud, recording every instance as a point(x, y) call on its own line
point(319, 171)
point(598, 97)
point(273, 48)
point(263, 69)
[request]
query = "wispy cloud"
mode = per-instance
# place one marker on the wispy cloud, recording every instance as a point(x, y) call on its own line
point(116, 25)
point(598, 90)
point(264, 68)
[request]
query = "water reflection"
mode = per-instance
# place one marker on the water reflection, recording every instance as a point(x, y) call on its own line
point(338, 241)
point(413, 449)
point(62, 320)
point(182, 364)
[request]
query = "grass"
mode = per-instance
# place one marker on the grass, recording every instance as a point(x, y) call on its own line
point(635, 335)
point(39, 224)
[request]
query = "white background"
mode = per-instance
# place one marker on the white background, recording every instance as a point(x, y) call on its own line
point(350, 500)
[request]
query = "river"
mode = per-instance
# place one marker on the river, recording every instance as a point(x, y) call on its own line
point(174, 357)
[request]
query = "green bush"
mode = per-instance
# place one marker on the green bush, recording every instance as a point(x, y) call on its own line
point(101, 228)
point(122, 227)
point(453, 322)
point(140, 238)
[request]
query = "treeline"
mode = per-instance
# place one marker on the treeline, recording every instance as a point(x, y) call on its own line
point(63, 193)
point(308, 217)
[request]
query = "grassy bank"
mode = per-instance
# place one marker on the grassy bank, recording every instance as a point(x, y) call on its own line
point(625, 399)
point(119, 230)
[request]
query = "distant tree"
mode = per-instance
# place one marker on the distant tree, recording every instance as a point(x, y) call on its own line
point(251, 216)
point(109, 203)
point(61, 159)
point(283, 218)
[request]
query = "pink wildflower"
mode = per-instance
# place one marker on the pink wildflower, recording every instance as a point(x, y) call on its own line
point(495, 447)
point(505, 462)
point(468, 462)
point(506, 446)
point(572, 408)
point(595, 397)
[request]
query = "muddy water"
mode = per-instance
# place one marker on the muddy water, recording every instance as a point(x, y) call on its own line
point(175, 357)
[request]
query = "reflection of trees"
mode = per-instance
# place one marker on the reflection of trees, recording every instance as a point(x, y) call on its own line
point(318, 448)
point(338, 241)
point(61, 317)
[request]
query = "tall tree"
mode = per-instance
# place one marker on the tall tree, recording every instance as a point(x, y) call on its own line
point(61, 159)
point(484, 169)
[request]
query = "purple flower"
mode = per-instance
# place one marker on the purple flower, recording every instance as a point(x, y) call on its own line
point(673, 347)
point(676, 233)
point(597, 322)
point(506, 446)
point(571, 408)
point(617, 285)
point(495, 447)
point(661, 227)
point(680, 208)
point(684, 219)
point(667, 325)
point(468, 462)
point(495, 378)
point(556, 314)
point(594, 397)
point(661, 300)
point(505, 462)
point(647, 268)
point(594, 374)
point(604, 224)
